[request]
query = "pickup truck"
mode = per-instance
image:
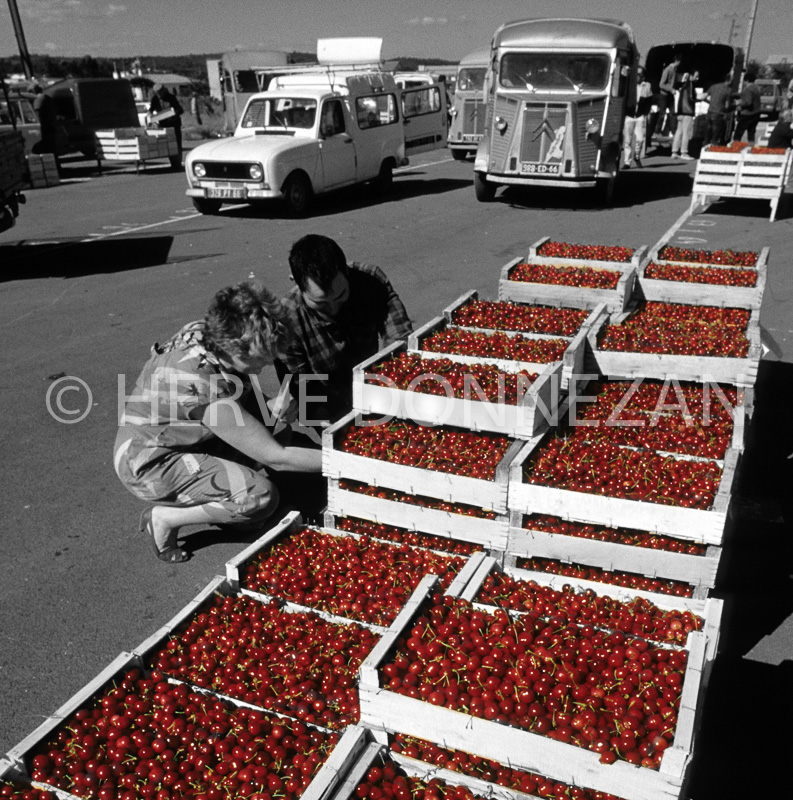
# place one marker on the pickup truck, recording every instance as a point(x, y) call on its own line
point(314, 132)
point(13, 177)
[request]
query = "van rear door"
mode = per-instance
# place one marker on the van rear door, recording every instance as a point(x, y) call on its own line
point(424, 118)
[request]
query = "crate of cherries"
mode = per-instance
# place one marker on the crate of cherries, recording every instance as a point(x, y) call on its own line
point(467, 394)
point(706, 277)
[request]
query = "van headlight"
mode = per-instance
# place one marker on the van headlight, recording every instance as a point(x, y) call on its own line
point(501, 124)
point(199, 170)
point(453, 111)
point(256, 172)
point(592, 126)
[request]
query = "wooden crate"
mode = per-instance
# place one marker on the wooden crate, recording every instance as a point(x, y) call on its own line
point(615, 300)
point(699, 525)
point(136, 144)
point(412, 480)
point(740, 372)
point(709, 609)
point(741, 174)
point(698, 570)
point(390, 712)
point(488, 533)
point(705, 294)
point(288, 525)
point(520, 420)
point(534, 258)
point(42, 170)
point(117, 668)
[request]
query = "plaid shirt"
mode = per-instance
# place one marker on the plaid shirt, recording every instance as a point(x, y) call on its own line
point(317, 345)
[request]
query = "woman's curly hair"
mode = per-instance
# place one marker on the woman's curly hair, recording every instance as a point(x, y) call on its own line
point(245, 319)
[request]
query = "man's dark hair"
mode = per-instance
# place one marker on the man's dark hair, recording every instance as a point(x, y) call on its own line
point(316, 257)
point(751, 76)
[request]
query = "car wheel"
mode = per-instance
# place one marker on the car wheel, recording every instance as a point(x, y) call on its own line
point(297, 194)
point(459, 155)
point(384, 181)
point(205, 206)
point(484, 191)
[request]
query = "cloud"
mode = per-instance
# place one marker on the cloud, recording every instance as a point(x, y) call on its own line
point(50, 11)
point(425, 21)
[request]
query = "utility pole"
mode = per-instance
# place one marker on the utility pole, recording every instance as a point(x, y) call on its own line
point(750, 29)
point(27, 66)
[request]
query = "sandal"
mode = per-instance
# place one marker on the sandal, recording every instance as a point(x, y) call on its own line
point(173, 554)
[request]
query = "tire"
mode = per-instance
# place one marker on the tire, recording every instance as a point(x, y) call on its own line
point(384, 182)
point(205, 206)
point(459, 155)
point(484, 191)
point(297, 194)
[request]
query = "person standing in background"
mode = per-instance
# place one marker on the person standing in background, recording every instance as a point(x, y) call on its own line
point(667, 86)
point(684, 116)
point(634, 131)
point(720, 104)
point(195, 108)
point(164, 100)
point(748, 109)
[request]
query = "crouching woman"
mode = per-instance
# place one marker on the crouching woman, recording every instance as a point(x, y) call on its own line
point(188, 441)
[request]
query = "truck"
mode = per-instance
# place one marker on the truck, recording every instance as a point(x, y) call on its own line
point(13, 177)
point(556, 91)
point(340, 123)
point(244, 73)
point(468, 108)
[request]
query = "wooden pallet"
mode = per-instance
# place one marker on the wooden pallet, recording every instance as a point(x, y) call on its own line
point(390, 712)
point(698, 570)
point(521, 420)
point(615, 300)
point(740, 372)
point(137, 145)
point(743, 175)
point(489, 533)
point(412, 480)
point(706, 294)
point(699, 525)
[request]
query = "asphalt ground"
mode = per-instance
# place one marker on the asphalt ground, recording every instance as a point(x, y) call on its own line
point(101, 266)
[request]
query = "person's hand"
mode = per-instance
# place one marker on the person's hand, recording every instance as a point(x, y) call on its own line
point(284, 408)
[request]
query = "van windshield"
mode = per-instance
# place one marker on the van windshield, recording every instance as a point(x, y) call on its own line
point(554, 72)
point(471, 79)
point(280, 112)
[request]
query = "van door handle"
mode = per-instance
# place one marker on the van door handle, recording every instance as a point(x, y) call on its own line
point(348, 141)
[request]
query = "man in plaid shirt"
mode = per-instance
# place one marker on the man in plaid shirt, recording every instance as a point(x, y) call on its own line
point(338, 314)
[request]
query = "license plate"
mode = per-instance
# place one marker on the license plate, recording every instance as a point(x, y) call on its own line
point(539, 169)
point(226, 194)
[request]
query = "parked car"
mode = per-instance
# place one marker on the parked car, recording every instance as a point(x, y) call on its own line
point(771, 97)
point(17, 113)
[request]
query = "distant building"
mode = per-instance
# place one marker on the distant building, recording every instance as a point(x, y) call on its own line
point(779, 60)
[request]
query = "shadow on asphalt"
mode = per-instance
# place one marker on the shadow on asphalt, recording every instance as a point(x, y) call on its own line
point(634, 187)
point(748, 700)
point(73, 258)
point(354, 197)
point(754, 208)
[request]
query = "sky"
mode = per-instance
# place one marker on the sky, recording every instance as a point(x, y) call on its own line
point(446, 29)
